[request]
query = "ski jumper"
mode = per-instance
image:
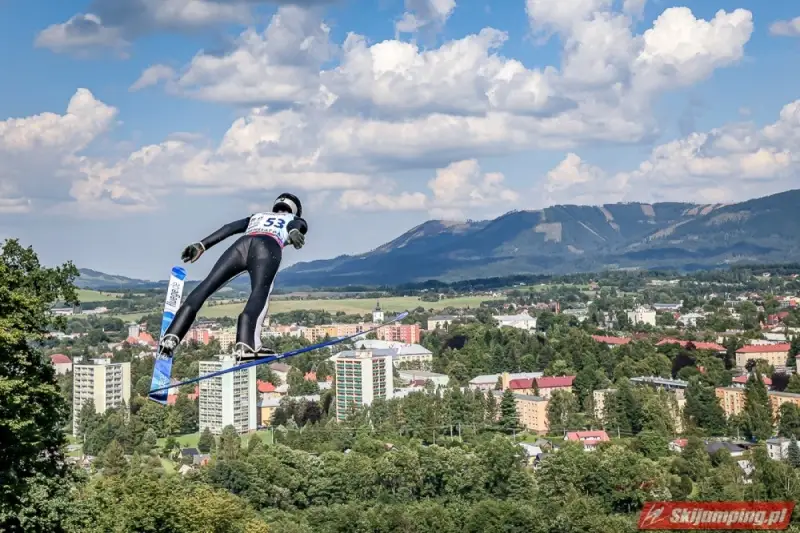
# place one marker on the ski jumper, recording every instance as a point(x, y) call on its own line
point(259, 252)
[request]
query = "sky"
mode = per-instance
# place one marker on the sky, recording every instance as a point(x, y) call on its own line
point(131, 128)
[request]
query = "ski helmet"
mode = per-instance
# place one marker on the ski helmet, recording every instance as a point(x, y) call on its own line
point(289, 202)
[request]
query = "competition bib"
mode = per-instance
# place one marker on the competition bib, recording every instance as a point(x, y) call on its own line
point(271, 224)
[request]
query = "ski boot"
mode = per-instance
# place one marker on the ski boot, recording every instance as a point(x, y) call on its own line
point(244, 353)
point(168, 344)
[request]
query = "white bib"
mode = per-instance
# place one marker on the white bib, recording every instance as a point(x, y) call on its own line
point(274, 224)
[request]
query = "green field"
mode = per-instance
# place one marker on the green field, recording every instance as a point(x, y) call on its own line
point(350, 306)
point(86, 296)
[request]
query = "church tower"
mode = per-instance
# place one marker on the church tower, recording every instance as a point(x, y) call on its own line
point(377, 314)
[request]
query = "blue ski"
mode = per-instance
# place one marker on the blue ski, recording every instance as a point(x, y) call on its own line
point(273, 358)
point(162, 370)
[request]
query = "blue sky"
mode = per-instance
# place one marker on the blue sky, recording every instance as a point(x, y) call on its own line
point(186, 114)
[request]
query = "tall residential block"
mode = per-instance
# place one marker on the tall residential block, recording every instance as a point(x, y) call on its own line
point(230, 399)
point(361, 377)
point(108, 385)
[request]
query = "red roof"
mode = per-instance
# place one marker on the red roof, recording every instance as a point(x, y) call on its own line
point(265, 386)
point(681, 442)
point(766, 348)
point(611, 340)
point(590, 436)
point(713, 346)
point(520, 384)
point(743, 379)
point(60, 359)
point(147, 338)
point(551, 382)
point(310, 376)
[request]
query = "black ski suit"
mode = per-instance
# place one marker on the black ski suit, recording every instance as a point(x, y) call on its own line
point(259, 252)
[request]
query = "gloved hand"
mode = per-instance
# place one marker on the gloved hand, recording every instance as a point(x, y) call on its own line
point(297, 238)
point(193, 252)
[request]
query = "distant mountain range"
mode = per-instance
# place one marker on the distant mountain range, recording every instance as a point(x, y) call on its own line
point(569, 238)
point(557, 240)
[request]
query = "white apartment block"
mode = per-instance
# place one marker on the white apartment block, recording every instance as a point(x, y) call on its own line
point(642, 315)
point(230, 399)
point(361, 377)
point(226, 337)
point(108, 385)
point(521, 321)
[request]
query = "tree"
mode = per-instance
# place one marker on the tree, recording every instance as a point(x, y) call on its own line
point(149, 441)
point(230, 444)
point(33, 412)
point(793, 454)
point(509, 418)
point(562, 411)
point(757, 413)
point(206, 443)
point(113, 461)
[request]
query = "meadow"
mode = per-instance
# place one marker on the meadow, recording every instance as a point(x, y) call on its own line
point(348, 305)
point(87, 296)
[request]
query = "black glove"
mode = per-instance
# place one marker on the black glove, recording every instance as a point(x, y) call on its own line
point(193, 252)
point(297, 238)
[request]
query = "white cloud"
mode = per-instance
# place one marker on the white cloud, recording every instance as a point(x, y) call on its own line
point(117, 22)
point(79, 34)
point(282, 64)
point(730, 163)
point(393, 105)
point(39, 155)
point(457, 189)
point(425, 14)
point(362, 200)
point(786, 28)
point(152, 76)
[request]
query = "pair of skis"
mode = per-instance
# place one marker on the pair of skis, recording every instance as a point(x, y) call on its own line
point(162, 371)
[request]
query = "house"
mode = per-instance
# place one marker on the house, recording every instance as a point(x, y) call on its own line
point(61, 363)
point(201, 459)
point(733, 449)
point(281, 370)
point(699, 345)
point(590, 439)
point(677, 445)
point(416, 376)
point(267, 389)
point(611, 342)
point(532, 452)
point(189, 453)
point(642, 315)
point(778, 448)
point(741, 381)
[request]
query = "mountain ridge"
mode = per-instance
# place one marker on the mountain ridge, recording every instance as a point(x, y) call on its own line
point(572, 238)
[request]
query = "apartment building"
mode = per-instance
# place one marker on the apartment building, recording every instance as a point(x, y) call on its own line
point(361, 377)
point(732, 400)
point(442, 321)
point(774, 354)
point(405, 333)
point(226, 337)
point(531, 410)
point(230, 399)
point(642, 315)
point(107, 384)
point(522, 321)
point(542, 386)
